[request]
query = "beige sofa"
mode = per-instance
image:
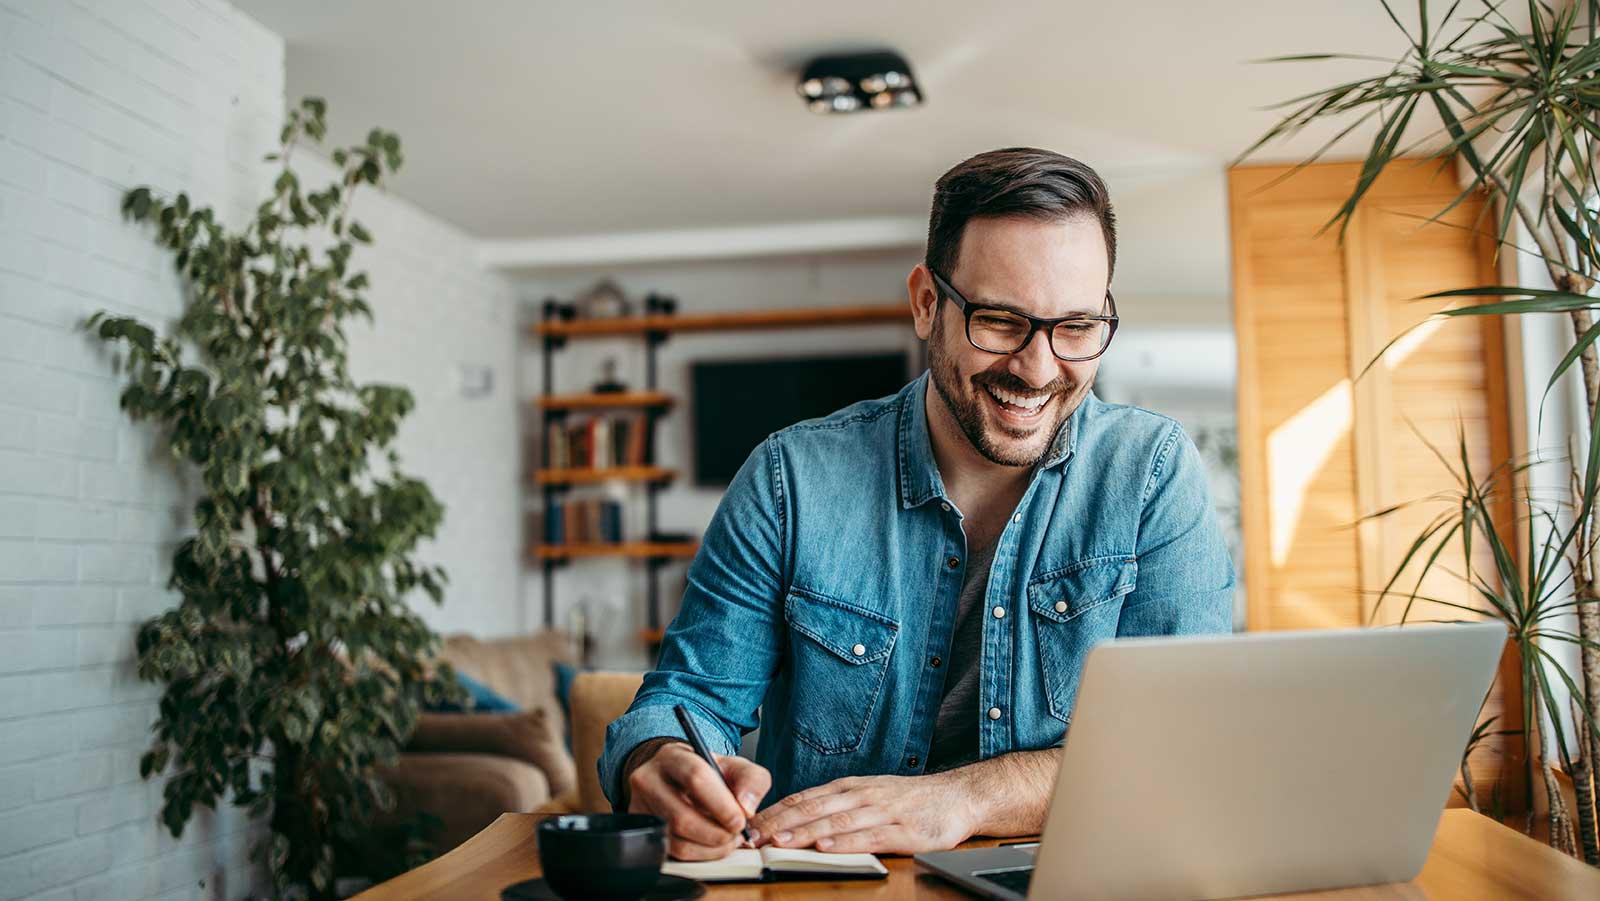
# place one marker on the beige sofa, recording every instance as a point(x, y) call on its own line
point(467, 769)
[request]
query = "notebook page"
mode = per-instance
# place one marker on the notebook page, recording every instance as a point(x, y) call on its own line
point(802, 860)
point(740, 864)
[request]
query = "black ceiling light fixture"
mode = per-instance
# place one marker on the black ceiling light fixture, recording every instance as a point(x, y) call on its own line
point(852, 82)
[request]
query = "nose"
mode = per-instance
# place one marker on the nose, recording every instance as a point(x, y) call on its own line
point(1034, 362)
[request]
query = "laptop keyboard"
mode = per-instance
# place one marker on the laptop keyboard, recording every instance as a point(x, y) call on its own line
point(1012, 880)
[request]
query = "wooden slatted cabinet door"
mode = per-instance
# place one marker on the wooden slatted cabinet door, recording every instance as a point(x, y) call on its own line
point(1438, 392)
point(1327, 436)
point(1297, 466)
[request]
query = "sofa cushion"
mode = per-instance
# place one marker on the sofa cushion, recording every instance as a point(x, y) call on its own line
point(480, 698)
point(465, 791)
point(530, 736)
point(597, 699)
point(518, 669)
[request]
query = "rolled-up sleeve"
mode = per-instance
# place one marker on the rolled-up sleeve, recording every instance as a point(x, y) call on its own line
point(1185, 580)
point(720, 652)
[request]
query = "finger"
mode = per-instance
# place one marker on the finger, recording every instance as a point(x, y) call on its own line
point(684, 820)
point(683, 849)
point(890, 838)
point(806, 807)
point(692, 825)
point(846, 821)
point(750, 781)
point(705, 788)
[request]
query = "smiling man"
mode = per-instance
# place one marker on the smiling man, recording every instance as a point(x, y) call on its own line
point(906, 590)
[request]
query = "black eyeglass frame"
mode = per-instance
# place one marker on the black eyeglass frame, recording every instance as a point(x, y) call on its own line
point(1035, 324)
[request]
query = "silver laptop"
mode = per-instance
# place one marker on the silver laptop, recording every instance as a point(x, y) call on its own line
point(1231, 765)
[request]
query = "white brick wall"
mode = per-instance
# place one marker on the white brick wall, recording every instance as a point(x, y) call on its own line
point(95, 97)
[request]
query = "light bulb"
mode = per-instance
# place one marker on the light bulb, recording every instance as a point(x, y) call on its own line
point(835, 85)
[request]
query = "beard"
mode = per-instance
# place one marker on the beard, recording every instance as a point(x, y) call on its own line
point(967, 407)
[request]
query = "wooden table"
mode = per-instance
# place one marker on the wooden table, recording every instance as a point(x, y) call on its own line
point(1473, 857)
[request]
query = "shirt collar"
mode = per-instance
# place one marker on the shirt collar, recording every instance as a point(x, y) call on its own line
point(919, 473)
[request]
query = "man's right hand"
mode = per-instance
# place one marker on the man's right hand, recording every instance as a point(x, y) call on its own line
point(703, 819)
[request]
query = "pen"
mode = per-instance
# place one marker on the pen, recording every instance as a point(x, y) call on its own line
point(699, 745)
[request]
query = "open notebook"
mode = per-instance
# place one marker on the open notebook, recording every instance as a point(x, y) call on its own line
point(771, 864)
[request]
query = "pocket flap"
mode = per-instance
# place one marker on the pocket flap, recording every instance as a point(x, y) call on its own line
point(1061, 595)
point(854, 635)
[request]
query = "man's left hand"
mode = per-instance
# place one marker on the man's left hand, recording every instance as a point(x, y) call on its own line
point(879, 814)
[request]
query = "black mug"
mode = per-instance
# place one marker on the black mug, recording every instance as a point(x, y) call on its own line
point(604, 856)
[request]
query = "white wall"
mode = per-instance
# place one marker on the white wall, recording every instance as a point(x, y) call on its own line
point(96, 97)
point(174, 94)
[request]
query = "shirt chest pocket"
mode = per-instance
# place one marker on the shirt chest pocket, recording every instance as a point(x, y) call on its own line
point(1073, 609)
point(840, 656)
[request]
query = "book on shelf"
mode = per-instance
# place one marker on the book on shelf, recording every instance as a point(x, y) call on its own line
point(591, 520)
point(554, 533)
point(555, 447)
point(599, 442)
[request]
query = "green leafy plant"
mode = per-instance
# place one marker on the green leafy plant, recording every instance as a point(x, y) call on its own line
point(1521, 107)
point(1468, 788)
point(1530, 593)
point(292, 666)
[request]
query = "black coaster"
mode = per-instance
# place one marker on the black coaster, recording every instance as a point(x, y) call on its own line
point(670, 888)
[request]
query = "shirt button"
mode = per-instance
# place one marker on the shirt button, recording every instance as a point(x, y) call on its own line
point(935, 661)
point(1061, 606)
point(994, 713)
point(999, 613)
point(858, 650)
point(913, 761)
point(1017, 518)
point(953, 562)
point(945, 507)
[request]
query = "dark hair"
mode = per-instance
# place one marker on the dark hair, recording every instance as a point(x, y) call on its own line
point(1016, 181)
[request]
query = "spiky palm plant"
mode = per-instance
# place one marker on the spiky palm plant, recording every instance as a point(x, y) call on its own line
point(1521, 107)
point(1530, 594)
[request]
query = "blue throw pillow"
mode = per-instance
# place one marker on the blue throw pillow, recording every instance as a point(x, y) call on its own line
point(480, 699)
point(565, 673)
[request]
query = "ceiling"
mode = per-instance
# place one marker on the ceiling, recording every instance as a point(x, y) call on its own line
point(530, 119)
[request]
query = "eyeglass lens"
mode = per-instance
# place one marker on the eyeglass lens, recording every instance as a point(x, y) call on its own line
point(997, 331)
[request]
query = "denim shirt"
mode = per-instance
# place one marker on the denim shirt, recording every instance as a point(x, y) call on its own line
point(824, 592)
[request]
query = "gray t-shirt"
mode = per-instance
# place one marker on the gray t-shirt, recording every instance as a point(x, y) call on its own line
point(955, 729)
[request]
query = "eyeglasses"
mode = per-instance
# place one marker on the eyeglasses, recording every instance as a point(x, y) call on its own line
point(997, 330)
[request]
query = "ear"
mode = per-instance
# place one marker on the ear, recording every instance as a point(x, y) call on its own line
point(924, 300)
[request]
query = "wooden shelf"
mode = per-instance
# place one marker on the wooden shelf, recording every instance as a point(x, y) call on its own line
point(605, 401)
point(638, 550)
point(606, 474)
point(714, 322)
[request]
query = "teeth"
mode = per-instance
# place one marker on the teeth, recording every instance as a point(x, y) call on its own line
point(1017, 400)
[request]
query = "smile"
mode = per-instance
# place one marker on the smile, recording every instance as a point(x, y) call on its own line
point(1018, 405)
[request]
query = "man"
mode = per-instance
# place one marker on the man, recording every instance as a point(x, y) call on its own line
point(907, 589)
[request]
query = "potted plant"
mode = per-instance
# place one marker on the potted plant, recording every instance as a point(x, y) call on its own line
point(1521, 108)
point(292, 667)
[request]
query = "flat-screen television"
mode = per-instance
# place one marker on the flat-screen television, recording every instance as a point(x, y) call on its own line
point(738, 403)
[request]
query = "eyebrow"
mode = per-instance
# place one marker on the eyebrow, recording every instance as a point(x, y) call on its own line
point(1012, 308)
